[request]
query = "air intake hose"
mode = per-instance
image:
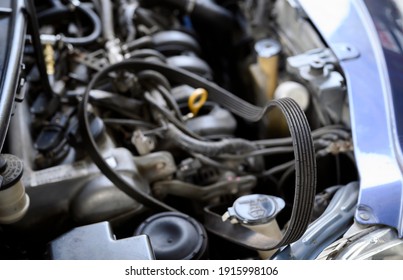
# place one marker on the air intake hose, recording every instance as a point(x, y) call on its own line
point(207, 11)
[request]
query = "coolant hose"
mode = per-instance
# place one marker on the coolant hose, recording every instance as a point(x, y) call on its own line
point(211, 149)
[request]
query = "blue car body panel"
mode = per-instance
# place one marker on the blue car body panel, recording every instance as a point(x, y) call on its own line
point(375, 89)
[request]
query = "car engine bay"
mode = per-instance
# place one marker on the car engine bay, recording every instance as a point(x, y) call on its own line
point(177, 129)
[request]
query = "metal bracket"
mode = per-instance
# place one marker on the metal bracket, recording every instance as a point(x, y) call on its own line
point(345, 51)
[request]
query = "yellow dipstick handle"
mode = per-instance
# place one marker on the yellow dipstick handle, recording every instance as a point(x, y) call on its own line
point(197, 99)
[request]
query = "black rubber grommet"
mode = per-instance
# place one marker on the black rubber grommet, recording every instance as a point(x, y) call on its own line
point(174, 236)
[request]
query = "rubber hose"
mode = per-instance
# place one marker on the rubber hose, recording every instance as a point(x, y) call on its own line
point(107, 20)
point(143, 42)
point(155, 76)
point(56, 13)
point(225, 146)
point(207, 11)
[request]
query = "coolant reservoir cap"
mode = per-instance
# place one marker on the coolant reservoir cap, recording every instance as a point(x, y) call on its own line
point(11, 169)
point(267, 48)
point(256, 209)
point(174, 236)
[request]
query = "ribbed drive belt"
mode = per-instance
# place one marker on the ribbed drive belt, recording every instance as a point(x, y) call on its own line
point(304, 154)
point(305, 181)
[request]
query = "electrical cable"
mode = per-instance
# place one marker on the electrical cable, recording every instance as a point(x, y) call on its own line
point(260, 152)
point(208, 161)
point(169, 116)
point(128, 122)
point(34, 30)
point(154, 76)
point(277, 168)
